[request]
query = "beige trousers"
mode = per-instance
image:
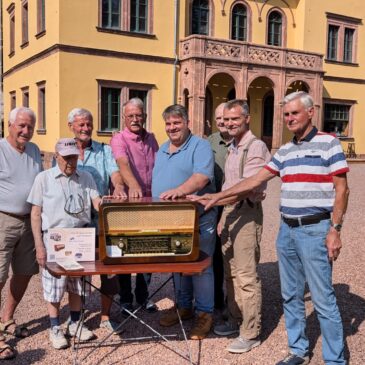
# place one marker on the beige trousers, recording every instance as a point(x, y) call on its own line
point(241, 236)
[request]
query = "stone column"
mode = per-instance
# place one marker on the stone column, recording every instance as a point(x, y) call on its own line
point(197, 101)
point(278, 125)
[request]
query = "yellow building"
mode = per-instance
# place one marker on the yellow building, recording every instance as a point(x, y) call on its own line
point(96, 54)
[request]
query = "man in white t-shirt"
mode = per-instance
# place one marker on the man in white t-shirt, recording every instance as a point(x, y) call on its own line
point(20, 162)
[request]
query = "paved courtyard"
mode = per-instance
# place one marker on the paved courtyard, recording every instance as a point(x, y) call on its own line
point(348, 276)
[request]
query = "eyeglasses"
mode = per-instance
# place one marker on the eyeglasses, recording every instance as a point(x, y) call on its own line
point(132, 116)
point(74, 206)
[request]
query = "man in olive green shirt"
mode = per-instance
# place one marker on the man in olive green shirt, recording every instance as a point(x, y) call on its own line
point(219, 142)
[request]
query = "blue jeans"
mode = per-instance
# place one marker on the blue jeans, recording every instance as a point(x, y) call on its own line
point(200, 287)
point(302, 255)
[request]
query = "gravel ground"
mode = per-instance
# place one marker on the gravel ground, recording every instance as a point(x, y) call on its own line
point(348, 279)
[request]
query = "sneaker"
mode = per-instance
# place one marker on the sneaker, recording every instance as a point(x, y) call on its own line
point(292, 359)
point(241, 345)
point(128, 306)
point(226, 329)
point(111, 326)
point(150, 307)
point(57, 338)
point(171, 317)
point(202, 326)
point(83, 333)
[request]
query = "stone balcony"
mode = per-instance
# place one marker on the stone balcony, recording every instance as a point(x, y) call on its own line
point(208, 48)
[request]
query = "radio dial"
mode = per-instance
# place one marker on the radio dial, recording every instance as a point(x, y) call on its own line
point(121, 244)
point(177, 243)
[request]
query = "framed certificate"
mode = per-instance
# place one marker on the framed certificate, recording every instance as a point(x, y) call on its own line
point(71, 243)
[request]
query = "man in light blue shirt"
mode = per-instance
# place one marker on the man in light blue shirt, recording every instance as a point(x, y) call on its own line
point(97, 159)
point(185, 165)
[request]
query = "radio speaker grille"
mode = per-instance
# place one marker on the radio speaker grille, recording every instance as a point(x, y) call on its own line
point(149, 218)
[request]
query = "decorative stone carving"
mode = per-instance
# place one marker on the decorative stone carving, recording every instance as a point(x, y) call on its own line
point(300, 60)
point(264, 55)
point(220, 49)
point(185, 48)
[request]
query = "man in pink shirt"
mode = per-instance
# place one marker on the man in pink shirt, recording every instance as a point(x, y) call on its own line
point(134, 150)
point(241, 229)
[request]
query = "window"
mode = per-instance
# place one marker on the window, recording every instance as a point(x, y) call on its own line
point(139, 11)
point(239, 23)
point(11, 11)
point(348, 45)
point(126, 17)
point(12, 100)
point(110, 108)
point(332, 42)
point(41, 16)
point(200, 17)
point(110, 14)
point(274, 30)
point(25, 92)
point(41, 107)
point(141, 94)
point(24, 22)
point(341, 38)
point(337, 118)
point(112, 97)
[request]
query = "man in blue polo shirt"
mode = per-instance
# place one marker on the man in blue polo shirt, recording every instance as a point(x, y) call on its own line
point(314, 196)
point(185, 165)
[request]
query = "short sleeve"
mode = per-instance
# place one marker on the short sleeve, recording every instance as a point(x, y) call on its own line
point(118, 146)
point(35, 196)
point(274, 166)
point(111, 165)
point(203, 159)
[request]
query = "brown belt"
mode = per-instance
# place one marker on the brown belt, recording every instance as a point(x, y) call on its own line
point(17, 216)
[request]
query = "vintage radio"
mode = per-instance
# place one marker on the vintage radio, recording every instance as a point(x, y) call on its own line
point(148, 230)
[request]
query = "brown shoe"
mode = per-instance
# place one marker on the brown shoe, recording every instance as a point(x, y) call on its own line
point(202, 326)
point(171, 318)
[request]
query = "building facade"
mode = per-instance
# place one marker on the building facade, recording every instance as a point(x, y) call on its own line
point(97, 54)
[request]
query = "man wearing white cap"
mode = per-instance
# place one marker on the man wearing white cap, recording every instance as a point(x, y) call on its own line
point(62, 198)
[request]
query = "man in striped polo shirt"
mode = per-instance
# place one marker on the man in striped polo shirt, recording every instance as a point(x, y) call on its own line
point(313, 171)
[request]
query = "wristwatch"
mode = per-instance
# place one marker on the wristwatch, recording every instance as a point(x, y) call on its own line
point(337, 227)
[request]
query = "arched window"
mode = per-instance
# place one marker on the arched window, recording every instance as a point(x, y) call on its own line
point(200, 17)
point(239, 23)
point(274, 29)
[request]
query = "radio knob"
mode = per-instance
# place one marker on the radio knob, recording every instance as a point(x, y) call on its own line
point(177, 243)
point(121, 243)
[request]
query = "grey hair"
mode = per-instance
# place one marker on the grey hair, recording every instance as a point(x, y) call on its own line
point(137, 102)
point(238, 102)
point(304, 98)
point(14, 113)
point(78, 112)
point(176, 110)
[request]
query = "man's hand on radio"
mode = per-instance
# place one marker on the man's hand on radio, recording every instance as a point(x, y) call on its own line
point(208, 200)
point(173, 194)
point(135, 191)
point(119, 192)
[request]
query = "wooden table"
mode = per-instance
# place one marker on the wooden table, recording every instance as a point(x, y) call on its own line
point(99, 268)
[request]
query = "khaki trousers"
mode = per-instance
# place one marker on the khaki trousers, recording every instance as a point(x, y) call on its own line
point(241, 236)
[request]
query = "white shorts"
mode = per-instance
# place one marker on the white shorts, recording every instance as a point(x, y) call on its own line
point(54, 288)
